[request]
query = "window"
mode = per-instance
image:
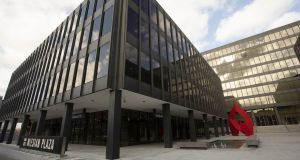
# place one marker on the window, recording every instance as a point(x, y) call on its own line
point(90, 69)
point(96, 29)
point(156, 73)
point(163, 50)
point(91, 8)
point(145, 33)
point(62, 81)
point(68, 51)
point(107, 23)
point(154, 39)
point(55, 84)
point(82, 14)
point(79, 72)
point(161, 20)
point(145, 68)
point(103, 61)
point(154, 13)
point(49, 87)
point(71, 76)
point(75, 19)
point(86, 35)
point(133, 23)
point(168, 27)
point(136, 2)
point(99, 4)
point(131, 64)
point(170, 53)
point(77, 43)
point(145, 6)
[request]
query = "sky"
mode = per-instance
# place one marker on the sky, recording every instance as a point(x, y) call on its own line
point(207, 23)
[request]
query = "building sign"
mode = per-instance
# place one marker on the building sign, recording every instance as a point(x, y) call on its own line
point(45, 144)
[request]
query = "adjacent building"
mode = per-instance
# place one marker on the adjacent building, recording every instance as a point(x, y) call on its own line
point(119, 73)
point(261, 72)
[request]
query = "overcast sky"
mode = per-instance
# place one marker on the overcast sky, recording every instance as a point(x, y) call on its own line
point(24, 24)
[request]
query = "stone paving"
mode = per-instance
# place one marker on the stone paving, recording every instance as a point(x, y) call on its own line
point(274, 146)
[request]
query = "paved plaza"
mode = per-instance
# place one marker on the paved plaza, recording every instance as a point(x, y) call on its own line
point(274, 146)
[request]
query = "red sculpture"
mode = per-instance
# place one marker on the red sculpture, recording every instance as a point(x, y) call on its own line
point(245, 126)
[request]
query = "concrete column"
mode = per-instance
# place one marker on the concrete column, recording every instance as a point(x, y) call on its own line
point(192, 126)
point(23, 128)
point(226, 126)
point(66, 127)
point(114, 125)
point(12, 131)
point(277, 116)
point(206, 127)
point(3, 133)
point(215, 123)
point(253, 118)
point(41, 123)
point(222, 126)
point(168, 141)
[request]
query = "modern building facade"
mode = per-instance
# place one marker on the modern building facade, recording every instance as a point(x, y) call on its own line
point(297, 48)
point(262, 73)
point(116, 72)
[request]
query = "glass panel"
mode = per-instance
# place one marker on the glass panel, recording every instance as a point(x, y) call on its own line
point(131, 65)
point(96, 29)
point(91, 8)
point(99, 4)
point(82, 14)
point(145, 33)
point(163, 50)
point(71, 76)
point(76, 44)
point(133, 26)
point(156, 73)
point(55, 84)
point(79, 72)
point(62, 81)
point(86, 35)
point(75, 21)
point(90, 69)
point(103, 60)
point(145, 6)
point(154, 39)
point(154, 13)
point(161, 21)
point(145, 68)
point(107, 23)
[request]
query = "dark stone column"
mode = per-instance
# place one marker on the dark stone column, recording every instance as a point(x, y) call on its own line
point(215, 123)
point(23, 128)
point(277, 116)
point(206, 127)
point(12, 131)
point(222, 126)
point(41, 123)
point(3, 133)
point(226, 126)
point(167, 126)
point(66, 127)
point(192, 126)
point(114, 125)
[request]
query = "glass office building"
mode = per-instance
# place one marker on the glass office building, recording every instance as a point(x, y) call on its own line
point(261, 72)
point(125, 68)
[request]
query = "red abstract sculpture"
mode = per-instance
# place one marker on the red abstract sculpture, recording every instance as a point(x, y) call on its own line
point(245, 126)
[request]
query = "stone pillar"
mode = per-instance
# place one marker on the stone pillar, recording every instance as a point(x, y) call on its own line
point(277, 116)
point(192, 126)
point(206, 127)
point(168, 141)
point(3, 133)
point(215, 123)
point(66, 126)
point(226, 126)
point(41, 123)
point(222, 126)
point(12, 131)
point(23, 128)
point(114, 125)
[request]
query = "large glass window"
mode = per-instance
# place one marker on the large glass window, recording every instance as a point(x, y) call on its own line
point(145, 6)
point(99, 4)
point(79, 72)
point(90, 69)
point(86, 35)
point(55, 84)
point(82, 14)
point(154, 40)
point(131, 65)
point(133, 22)
point(145, 33)
point(103, 61)
point(91, 8)
point(145, 68)
point(96, 29)
point(71, 76)
point(62, 81)
point(75, 21)
point(163, 50)
point(168, 27)
point(107, 23)
point(170, 53)
point(156, 73)
point(154, 13)
point(68, 51)
point(161, 21)
point(77, 43)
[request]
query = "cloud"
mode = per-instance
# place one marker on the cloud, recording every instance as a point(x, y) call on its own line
point(285, 19)
point(252, 18)
point(24, 25)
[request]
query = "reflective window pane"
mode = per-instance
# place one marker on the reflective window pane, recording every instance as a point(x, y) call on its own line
point(71, 76)
point(131, 64)
point(96, 29)
point(133, 22)
point(91, 8)
point(86, 35)
point(90, 68)
point(145, 68)
point(103, 60)
point(107, 23)
point(79, 74)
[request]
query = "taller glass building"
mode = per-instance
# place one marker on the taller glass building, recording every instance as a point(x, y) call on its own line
point(261, 72)
point(114, 62)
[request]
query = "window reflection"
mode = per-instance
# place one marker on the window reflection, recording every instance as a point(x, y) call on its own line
point(96, 29)
point(90, 68)
point(133, 22)
point(107, 23)
point(145, 68)
point(86, 35)
point(131, 64)
point(62, 81)
point(71, 76)
point(79, 74)
point(103, 60)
